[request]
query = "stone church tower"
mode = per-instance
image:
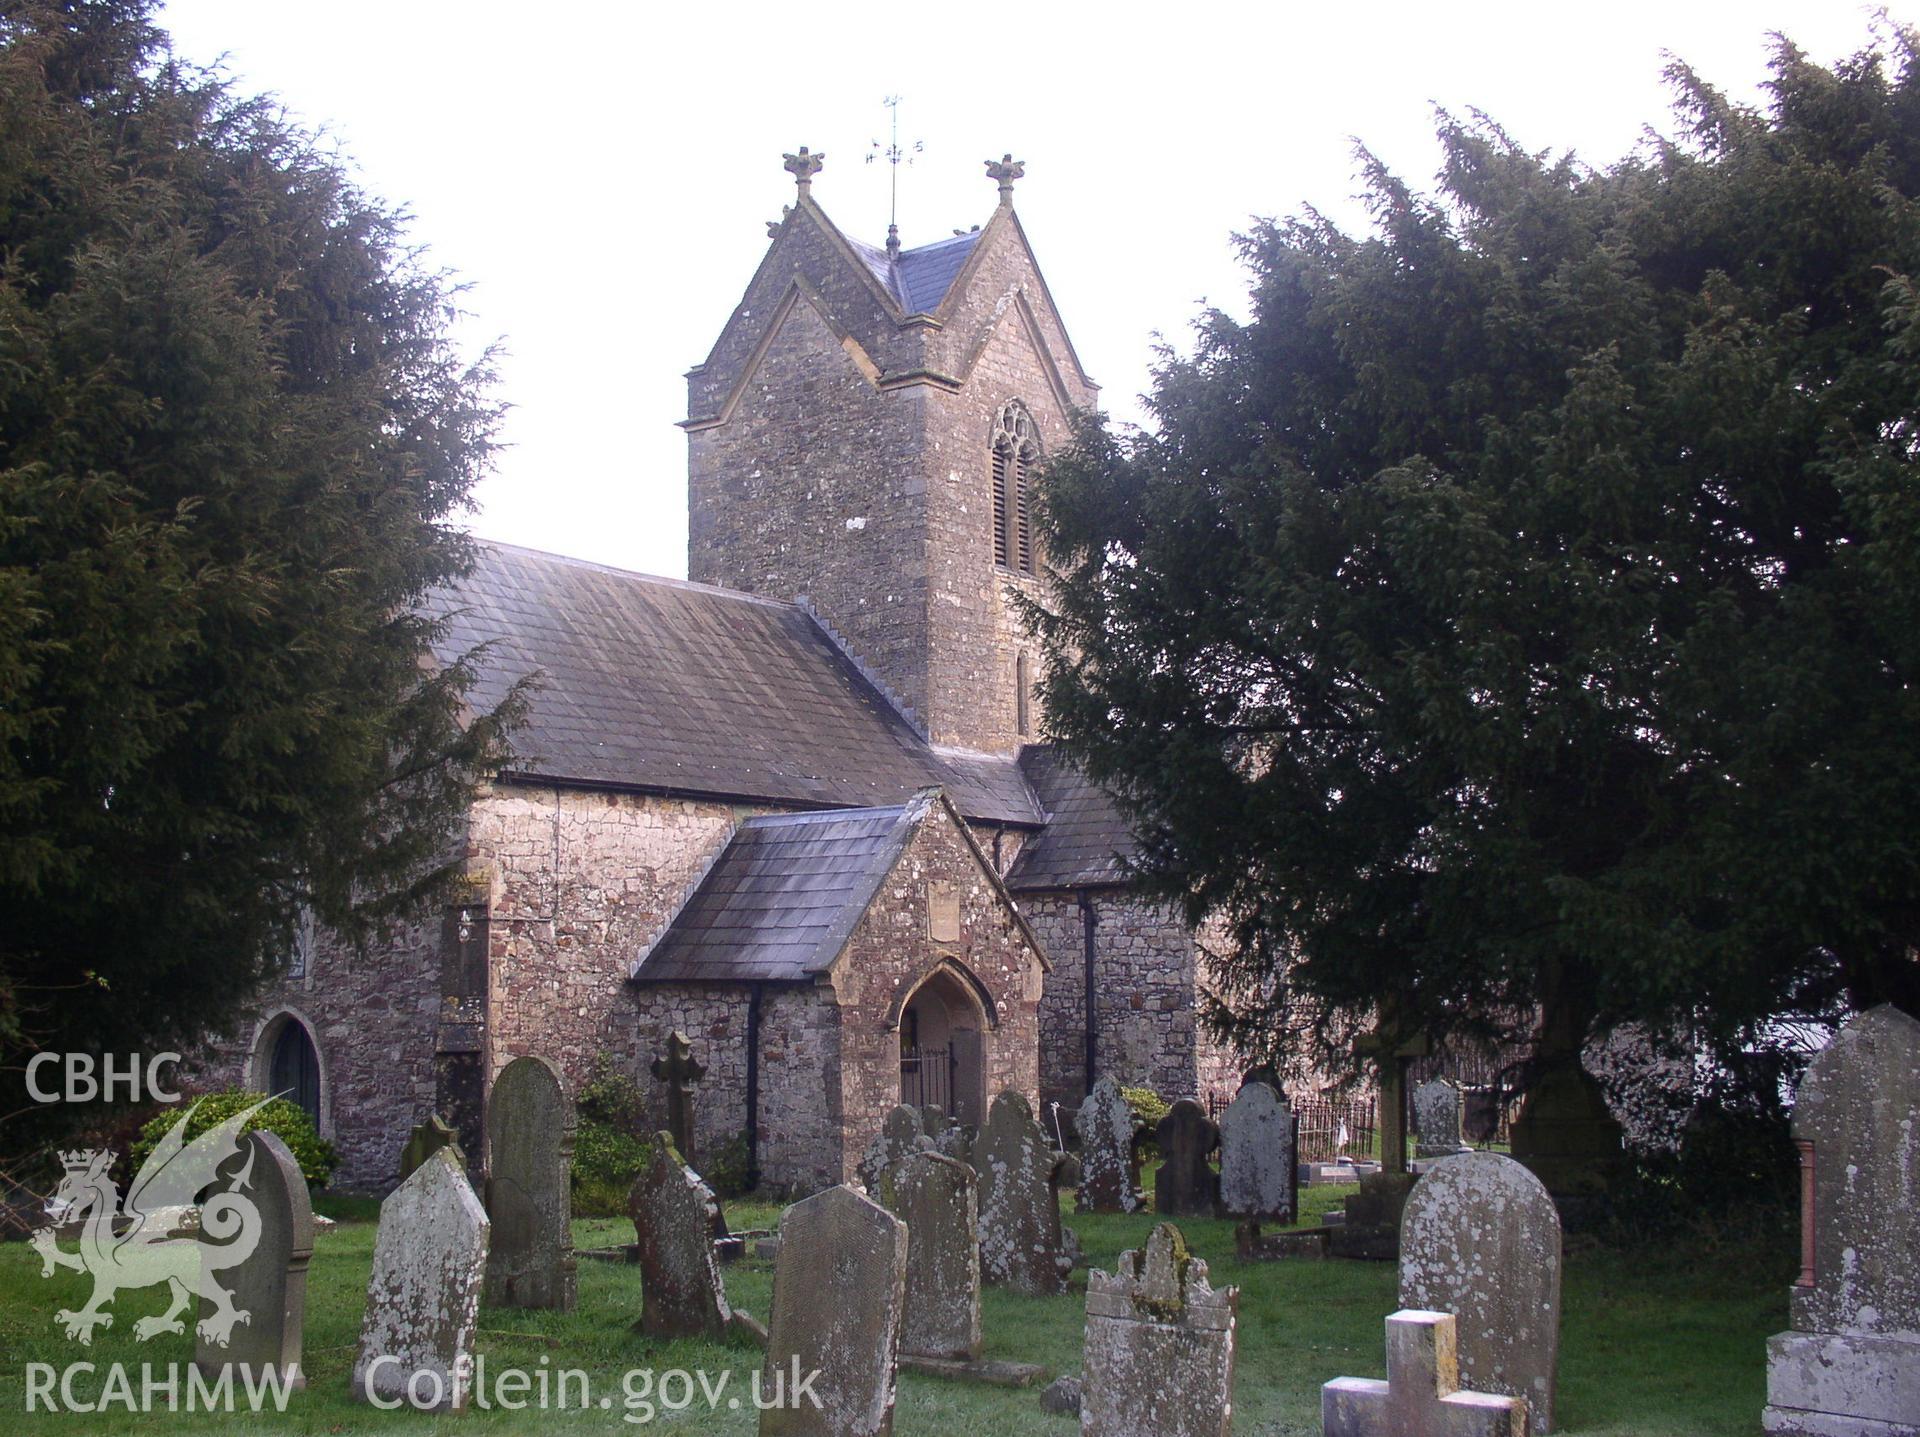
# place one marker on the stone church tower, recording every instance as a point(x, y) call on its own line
point(863, 434)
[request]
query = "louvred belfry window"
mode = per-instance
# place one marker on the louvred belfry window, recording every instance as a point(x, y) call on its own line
point(1016, 445)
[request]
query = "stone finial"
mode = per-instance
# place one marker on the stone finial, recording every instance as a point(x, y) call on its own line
point(1005, 171)
point(803, 167)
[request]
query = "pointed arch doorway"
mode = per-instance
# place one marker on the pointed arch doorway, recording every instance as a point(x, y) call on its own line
point(287, 1064)
point(943, 1035)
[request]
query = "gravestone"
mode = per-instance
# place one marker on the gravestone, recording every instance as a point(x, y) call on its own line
point(423, 1299)
point(902, 1133)
point(1109, 1170)
point(1480, 1238)
point(1436, 1119)
point(673, 1212)
point(1186, 1185)
point(1421, 1396)
point(1851, 1363)
point(949, 1136)
point(270, 1286)
point(427, 1139)
point(839, 1287)
point(530, 1122)
point(1158, 1356)
point(937, 1198)
point(1392, 1049)
point(1020, 1237)
point(679, 1070)
point(1257, 1137)
point(1570, 1139)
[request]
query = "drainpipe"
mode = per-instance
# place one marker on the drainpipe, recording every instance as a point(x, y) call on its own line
point(1087, 922)
point(753, 1085)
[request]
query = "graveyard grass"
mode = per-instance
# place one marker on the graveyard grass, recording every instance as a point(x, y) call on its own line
point(1653, 1344)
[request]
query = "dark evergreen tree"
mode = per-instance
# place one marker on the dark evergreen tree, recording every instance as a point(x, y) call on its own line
point(233, 433)
point(1520, 613)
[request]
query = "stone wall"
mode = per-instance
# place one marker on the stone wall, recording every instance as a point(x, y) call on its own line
point(1148, 1031)
point(371, 1016)
point(582, 881)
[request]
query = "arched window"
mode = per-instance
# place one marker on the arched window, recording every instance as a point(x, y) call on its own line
point(1016, 445)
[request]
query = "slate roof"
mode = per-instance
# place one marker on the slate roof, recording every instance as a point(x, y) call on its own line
point(667, 686)
point(783, 897)
point(1086, 840)
point(919, 278)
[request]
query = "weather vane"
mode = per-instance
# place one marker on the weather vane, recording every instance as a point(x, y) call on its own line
point(895, 156)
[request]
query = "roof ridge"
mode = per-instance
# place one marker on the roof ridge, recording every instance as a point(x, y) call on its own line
point(665, 580)
point(822, 815)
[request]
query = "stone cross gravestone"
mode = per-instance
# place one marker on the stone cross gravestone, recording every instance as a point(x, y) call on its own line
point(1019, 1215)
point(530, 1123)
point(1568, 1136)
point(673, 1211)
point(1436, 1119)
point(1158, 1355)
point(1186, 1185)
point(270, 1287)
point(1851, 1363)
point(839, 1289)
point(1421, 1396)
point(937, 1199)
point(679, 1070)
point(902, 1133)
point(1480, 1238)
point(423, 1300)
point(1393, 1050)
point(1109, 1169)
point(425, 1140)
point(1257, 1137)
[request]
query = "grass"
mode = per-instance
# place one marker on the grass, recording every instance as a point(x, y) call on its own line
point(1653, 1345)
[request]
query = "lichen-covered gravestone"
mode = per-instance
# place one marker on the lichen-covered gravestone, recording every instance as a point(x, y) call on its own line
point(673, 1211)
point(1257, 1177)
point(839, 1288)
point(1851, 1364)
point(936, 1198)
point(1109, 1170)
point(271, 1285)
point(1480, 1238)
point(902, 1133)
point(1020, 1237)
point(425, 1140)
point(1421, 1396)
point(423, 1300)
point(1158, 1358)
point(530, 1124)
point(1436, 1119)
point(1186, 1185)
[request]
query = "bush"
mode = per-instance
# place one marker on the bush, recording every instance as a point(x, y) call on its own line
point(609, 1149)
point(726, 1172)
point(287, 1120)
point(1149, 1107)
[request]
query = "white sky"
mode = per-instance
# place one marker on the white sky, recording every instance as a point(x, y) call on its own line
point(602, 173)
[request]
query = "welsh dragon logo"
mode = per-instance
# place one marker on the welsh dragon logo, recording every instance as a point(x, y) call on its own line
point(136, 1247)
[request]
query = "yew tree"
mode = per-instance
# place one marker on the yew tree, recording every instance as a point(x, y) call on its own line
point(235, 434)
point(1519, 613)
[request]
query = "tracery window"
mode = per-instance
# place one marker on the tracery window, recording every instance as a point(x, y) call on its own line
point(1016, 446)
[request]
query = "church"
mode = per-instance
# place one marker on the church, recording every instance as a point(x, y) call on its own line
point(795, 806)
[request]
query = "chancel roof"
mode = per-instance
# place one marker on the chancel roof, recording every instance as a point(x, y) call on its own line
point(662, 685)
point(783, 897)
